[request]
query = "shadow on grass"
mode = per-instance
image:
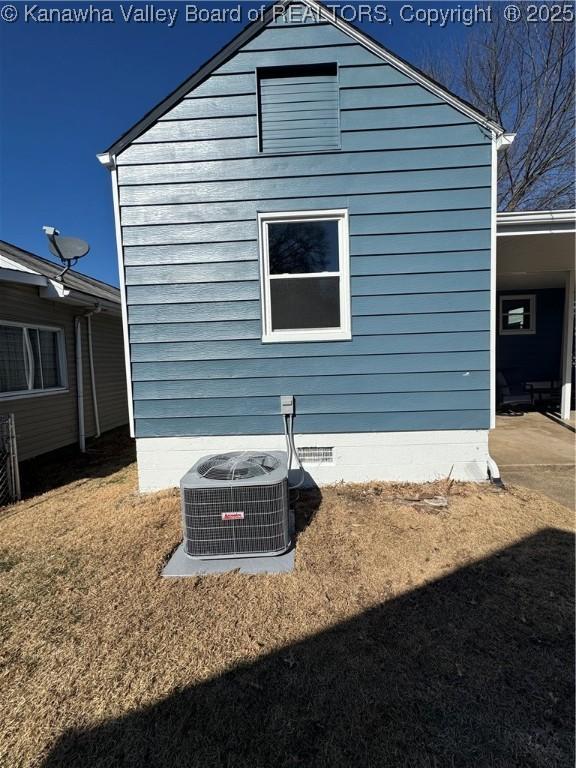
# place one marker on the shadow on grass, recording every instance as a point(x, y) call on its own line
point(475, 669)
point(104, 456)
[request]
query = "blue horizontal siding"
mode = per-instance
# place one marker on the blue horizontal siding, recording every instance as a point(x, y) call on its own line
point(414, 174)
point(426, 304)
point(201, 129)
point(248, 61)
point(408, 263)
point(271, 39)
point(399, 383)
point(307, 185)
point(188, 253)
point(206, 273)
point(213, 106)
point(196, 313)
point(459, 134)
point(411, 226)
point(242, 349)
point(215, 330)
point(378, 74)
point(361, 286)
point(362, 224)
point(361, 266)
point(399, 117)
point(313, 404)
point(324, 423)
point(442, 322)
point(418, 242)
point(311, 366)
point(370, 98)
point(455, 135)
point(412, 204)
point(267, 167)
point(154, 294)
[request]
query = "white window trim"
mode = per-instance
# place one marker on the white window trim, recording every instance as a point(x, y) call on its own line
point(518, 331)
point(344, 332)
point(62, 366)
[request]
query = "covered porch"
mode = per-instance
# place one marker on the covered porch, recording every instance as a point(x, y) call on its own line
point(535, 312)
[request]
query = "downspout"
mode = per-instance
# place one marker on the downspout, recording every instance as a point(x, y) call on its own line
point(79, 383)
point(499, 142)
point(80, 378)
point(92, 373)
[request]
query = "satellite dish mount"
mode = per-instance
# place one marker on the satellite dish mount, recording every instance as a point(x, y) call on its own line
point(68, 249)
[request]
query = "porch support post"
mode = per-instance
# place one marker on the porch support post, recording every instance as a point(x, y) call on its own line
point(567, 346)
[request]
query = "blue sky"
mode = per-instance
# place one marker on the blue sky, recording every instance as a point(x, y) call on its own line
point(67, 90)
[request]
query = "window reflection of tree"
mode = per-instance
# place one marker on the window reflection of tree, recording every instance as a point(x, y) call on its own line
point(297, 248)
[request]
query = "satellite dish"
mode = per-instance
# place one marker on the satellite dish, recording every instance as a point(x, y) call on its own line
point(67, 249)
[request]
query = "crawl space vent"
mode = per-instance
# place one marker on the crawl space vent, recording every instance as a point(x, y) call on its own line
point(316, 455)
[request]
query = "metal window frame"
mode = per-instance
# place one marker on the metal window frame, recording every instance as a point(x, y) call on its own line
point(29, 361)
point(344, 331)
point(532, 312)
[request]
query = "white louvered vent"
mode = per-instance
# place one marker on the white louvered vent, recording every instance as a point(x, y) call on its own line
point(299, 108)
point(315, 455)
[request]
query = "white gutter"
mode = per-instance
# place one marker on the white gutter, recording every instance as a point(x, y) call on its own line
point(514, 223)
point(537, 217)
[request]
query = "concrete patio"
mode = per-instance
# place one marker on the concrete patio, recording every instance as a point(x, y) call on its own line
point(536, 451)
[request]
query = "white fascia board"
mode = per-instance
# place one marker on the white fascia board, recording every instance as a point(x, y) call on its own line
point(407, 70)
point(22, 277)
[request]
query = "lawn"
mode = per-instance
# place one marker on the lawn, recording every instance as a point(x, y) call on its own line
point(408, 635)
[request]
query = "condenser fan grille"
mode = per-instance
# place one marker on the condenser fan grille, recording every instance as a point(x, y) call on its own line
point(237, 466)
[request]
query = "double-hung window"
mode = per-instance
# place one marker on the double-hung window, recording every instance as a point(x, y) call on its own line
point(517, 315)
point(32, 359)
point(305, 276)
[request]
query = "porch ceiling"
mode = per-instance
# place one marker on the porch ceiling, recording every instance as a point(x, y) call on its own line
point(534, 261)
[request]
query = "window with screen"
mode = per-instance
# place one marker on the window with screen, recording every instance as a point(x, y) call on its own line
point(32, 359)
point(305, 276)
point(518, 314)
point(299, 108)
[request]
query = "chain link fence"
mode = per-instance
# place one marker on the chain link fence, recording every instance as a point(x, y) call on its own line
point(9, 476)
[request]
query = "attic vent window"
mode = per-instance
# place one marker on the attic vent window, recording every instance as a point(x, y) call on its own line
point(299, 108)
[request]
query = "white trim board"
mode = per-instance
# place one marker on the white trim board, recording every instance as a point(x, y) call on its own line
point(358, 457)
point(123, 301)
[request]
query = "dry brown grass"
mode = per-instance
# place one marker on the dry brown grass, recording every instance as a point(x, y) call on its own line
point(405, 636)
